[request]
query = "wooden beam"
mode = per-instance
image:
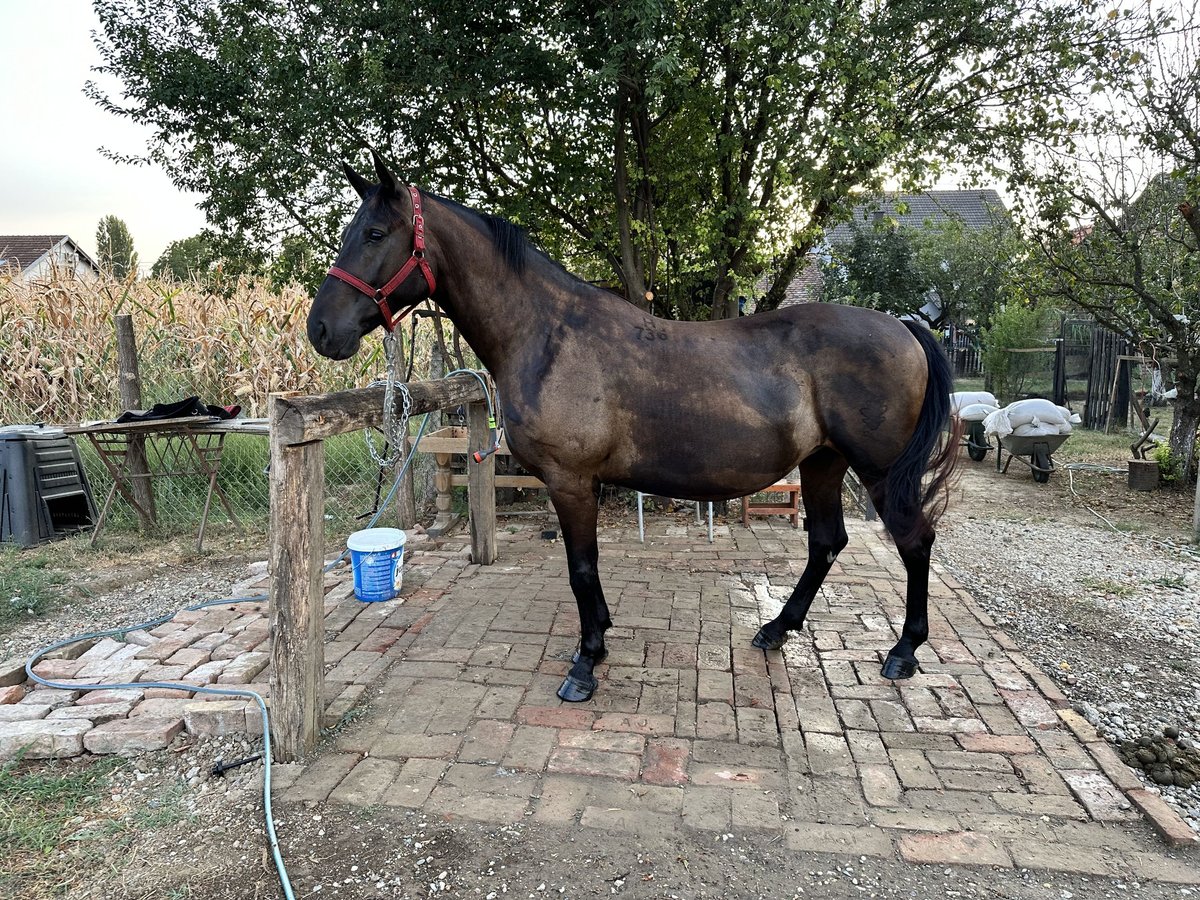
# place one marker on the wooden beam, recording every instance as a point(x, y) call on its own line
point(129, 385)
point(481, 487)
point(304, 419)
point(297, 540)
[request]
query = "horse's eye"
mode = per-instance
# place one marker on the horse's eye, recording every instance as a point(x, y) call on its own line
point(374, 234)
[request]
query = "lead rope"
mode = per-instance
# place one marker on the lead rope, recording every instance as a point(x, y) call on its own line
point(394, 428)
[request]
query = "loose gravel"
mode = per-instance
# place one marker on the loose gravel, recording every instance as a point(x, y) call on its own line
point(1112, 615)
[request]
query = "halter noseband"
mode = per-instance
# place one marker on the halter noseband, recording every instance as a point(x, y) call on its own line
point(417, 260)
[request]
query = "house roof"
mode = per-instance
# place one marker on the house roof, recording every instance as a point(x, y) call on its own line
point(20, 251)
point(974, 208)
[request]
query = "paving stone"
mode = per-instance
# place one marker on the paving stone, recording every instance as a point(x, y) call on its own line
point(716, 721)
point(707, 809)
point(572, 761)
point(367, 783)
point(880, 784)
point(11, 694)
point(1156, 867)
point(215, 718)
point(828, 754)
point(556, 717)
point(487, 741)
point(415, 782)
point(42, 738)
point(530, 748)
point(1164, 820)
point(1054, 857)
point(657, 725)
point(57, 669)
point(817, 837)
point(24, 712)
point(243, 669)
point(961, 848)
point(12, 671)
point(666, 762)
point(96, 713)
point(128, 737)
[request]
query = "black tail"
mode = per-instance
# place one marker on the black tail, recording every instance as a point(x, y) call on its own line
point(907, 496)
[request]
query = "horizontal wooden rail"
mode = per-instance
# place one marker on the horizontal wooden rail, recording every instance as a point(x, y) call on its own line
point(298, 420)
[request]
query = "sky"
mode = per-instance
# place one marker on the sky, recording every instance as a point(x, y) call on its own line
point(53, 177)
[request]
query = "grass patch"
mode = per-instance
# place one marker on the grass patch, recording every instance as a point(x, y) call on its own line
point(39, 811)
point(1108, 586)
point(29, 585)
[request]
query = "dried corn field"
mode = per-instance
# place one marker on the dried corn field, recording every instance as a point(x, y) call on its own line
point(228, 343)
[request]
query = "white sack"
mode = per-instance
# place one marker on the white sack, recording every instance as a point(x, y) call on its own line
point(959, 399)
point(976, 412)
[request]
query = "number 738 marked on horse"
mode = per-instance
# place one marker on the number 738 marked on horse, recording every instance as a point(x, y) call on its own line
point(595, 391)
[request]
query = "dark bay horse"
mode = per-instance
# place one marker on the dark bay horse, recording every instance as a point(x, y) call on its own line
point(595, 391)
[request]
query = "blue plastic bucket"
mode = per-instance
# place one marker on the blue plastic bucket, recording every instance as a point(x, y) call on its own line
point(377, 557)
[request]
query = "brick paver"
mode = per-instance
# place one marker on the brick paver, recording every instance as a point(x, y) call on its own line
point(976, 760)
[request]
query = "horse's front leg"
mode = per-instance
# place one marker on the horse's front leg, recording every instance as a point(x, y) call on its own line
point(576, 503)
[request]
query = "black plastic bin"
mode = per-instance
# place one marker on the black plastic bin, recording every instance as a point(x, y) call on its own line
point(44, 492)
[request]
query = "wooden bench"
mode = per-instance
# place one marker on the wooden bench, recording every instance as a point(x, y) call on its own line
point(791, 508)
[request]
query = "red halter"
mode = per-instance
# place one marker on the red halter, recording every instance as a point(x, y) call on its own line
point(417, 260)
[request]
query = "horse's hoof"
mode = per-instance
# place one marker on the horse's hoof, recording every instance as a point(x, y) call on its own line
point(595, 662)
point(762, 642)
point(577, 690)
point(898, 668)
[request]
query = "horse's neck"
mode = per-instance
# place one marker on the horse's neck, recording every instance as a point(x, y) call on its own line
point(503, 316)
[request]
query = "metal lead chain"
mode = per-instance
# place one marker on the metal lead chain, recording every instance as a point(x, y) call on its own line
point(394, 428)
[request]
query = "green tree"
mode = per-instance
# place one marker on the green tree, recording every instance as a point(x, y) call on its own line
point(114, 244)
point(191, 257)
point(298, 261)
point(943, 272)
point(1014, 326)
point(1119, 233)
point(673, 147)
point(878, 268)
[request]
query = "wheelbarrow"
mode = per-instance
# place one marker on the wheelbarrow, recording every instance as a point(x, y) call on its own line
point(1034, 450)
point(975, 440)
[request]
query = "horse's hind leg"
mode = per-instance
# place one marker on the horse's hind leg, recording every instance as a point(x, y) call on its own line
point(915, 551)
point(577, 506)
point(821, 476)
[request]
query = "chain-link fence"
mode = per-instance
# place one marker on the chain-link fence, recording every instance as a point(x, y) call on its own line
point(229, 345)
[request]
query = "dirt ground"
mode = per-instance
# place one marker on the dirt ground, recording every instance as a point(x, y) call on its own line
point(163, 828)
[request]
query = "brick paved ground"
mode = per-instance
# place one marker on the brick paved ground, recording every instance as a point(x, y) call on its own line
point(976, 760)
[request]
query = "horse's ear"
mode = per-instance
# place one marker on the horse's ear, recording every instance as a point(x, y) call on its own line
point(386, 179)
point(360, 184)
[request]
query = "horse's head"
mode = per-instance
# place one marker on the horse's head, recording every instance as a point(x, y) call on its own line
point(381, 271)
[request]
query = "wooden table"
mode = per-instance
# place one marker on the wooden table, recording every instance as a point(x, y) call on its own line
point(186, 446)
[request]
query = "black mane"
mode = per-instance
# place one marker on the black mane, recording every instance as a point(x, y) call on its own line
point(509, 241)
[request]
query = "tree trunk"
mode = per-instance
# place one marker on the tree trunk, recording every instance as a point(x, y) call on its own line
point(632, 273)
point(724, 301)
point(1187, 414)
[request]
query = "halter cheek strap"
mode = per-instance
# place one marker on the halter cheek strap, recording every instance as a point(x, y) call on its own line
point(416, 261)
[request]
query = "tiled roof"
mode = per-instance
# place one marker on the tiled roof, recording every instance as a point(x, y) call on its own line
point(975, 209)
point(20, 251)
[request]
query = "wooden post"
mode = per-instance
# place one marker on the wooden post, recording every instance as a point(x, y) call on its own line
point(444, 498)
point(406, 498)
point(297, 590)
point(481, 486)
point(130, 387)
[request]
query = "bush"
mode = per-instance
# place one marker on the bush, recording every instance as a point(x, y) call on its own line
point(1014, 326)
